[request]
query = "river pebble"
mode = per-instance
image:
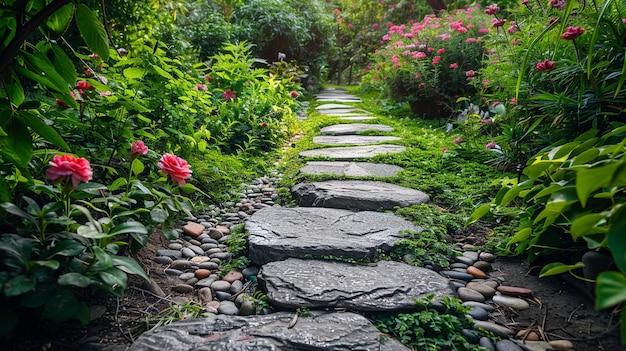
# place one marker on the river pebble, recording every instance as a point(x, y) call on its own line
point(512, 302)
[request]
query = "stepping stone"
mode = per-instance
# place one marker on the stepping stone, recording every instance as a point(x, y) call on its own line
point(356, 195)
point(353, 152)
point(344, 113)
point(352, 139)
point(382, 286)
point(354, 128)
point(278, 233)
point(333, 107)
point(351, 169)
point(318, 331)
point(357, 118)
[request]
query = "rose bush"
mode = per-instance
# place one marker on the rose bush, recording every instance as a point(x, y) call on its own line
point(175, 167)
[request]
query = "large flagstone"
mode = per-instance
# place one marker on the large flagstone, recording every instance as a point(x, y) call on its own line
point(354, 128)
point(352, 139)
point(356, 195)
point(351, 169)
point(278, 233)
point(381, 286)
point(353, 152)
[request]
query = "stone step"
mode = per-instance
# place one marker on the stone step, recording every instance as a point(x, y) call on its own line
point(381, 286)
point(356, 195)
point(356, 118)
point(318, 331)
point(344, 112)
point(278, 233)
point(352, 139)
point(354, 128)
point(333, 107)
point(350, 153)
point(351, 169)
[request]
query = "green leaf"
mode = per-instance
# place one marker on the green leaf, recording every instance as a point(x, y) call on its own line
point(162, 72)
point(129, 266)
point(617, 239)
point(159, 215)
point(61, 19)
point(115, 279)
point(61, 307)
point(90, 231)
point(18, 146)
point(137, 166)
point(610, 289)
point(134, 73)
point(40, 127)
point(103, 260)
point(13, 209)
point(52, 264)
point(591, 179)
point(479, 213)
point(66, 247)
point(117, 183)
point(43, 71)
point(588, 224)
point(19, 285)
point(14, 89)
point(74, 279)
point(557, 268)
point(129, 227)
point(170, 234)
point(63, 65)
point(92, 31)
point(521, 235)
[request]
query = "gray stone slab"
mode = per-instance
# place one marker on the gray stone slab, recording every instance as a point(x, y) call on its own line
point(356, 118)
point(382, 286)
point(344, 112)
point(278, 233)
point(353, 128)
point(351, 169)
point(319, 331)
point(356, 195)
point(353, 152)
point(333, 107)
point(352, 139)
point(338, 99)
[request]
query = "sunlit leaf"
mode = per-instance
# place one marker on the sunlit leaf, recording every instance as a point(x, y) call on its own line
point(610, 289)
point(92, 30)
point(557, 268)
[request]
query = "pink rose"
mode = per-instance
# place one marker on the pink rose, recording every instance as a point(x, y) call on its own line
point(64, 166)
point(294, 94)
point(175, 167)
point(138, 148)
point(572, 33)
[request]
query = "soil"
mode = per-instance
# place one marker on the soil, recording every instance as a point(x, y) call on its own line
point(560, 309)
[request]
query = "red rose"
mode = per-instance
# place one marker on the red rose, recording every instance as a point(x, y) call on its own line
point(294, 94)
point(67, 166)
point(229, 95)
point(175, 167)
point(138, 148)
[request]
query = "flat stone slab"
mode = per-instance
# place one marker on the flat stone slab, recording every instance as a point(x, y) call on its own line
point(343, 112)
point(319, 331)
point(351, 169)
point(356, 195)
point(353, 128)
point(352, 139)
point(357, 118)
point(278, 233)
point(353, 152)
point(333, 107)
point(382, 286)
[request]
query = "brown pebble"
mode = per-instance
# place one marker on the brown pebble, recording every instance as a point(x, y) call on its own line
point(514, 291)
point(232, 276)
point(527, 335)
point(483, 265)
point(193, 229)
point(215, 234)
point(182, 288)
point(561, 345)
point(202, 273)
point(477, 273)
point(205, 295)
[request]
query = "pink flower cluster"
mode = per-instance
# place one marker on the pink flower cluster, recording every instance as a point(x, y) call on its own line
point(545, 65)
point(572, 33)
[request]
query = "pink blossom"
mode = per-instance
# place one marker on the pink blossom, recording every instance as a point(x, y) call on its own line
point(558, 4)
point(294, 94)
point(436, 60)
point(525, 2)
point(444, 150)
point(106, 93)
point(445, 36)
point(229, 95)
point(486, 82)
point(492, 10)
point(94, 56)
point(454, 65)
point(421, 85)
point(138, 148)
point(498, 22)
point(419, 55)
point(76, 169)
point(545, 65)
point(441, 51)
point(485, 121)
point(513, 101)
point(553, 20)
point(200, 87)
point(512, 28)
point(572, 33)
point(470, 73)
point(457, 141)
point(483, 30)
point(175, 167)
point(490, 145)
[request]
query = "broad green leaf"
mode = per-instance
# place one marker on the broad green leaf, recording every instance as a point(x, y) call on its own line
point(61, 18)
point(89, 231)
point(18, 146)
point(137, 166)
point(559, 202)
point(14, 89)
point(92, 30)
point(63, 65)
point(74, 279)
point(592, 179)
point(129, 266)
point(103, 260)
point(45, 72)
point(163, 73)
point(44, 130)
point(37, 297)
point(521, 235)
point(52, 264)
point(62, 306)
point(170, 234)
point(134, 73)
point(15, 210)
point(117, 183)
point(610, 289)
point(479, 213)
point(66, 247)
point(129, 227)
point(159, 215)
point(115, 278)
point(593, 223)
point(617, 238)
point(585, 157)
point(19, 285)
point(558, 268)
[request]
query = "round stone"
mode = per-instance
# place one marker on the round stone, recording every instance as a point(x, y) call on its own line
point(486, 343)
point(222, 295)
point(208, 265)
point(180, 264)
point(527, 335)
point(472, 255)
point(228, 308)
point(458, 265)
point(457, 275)
point(455, 284)
point(213, 251)
point(187, 252)
point(196, 249)
point(514, 291)
point(484, 306)
point(250, 271)
point(562, 345)
point(246, 308)
point(487, 256)
point(483, 266)
point(464, 259)
point(171, 271)
point(163, 260)
point(478, 313)
point(191, 281)
point(215, 234)
point(466, 294)
point(485, 290)
point(202, 273)
point(236, 286)
point(498, 330)
point(211, 307)
point(182, 288)
point(175, 246)
point(507, 345)
point(209, 240)
point(232, 276)
point(208, 246)
point(470, 335)
point(198, 259)
point(220, 285)
point(186, 276)
point(477, 273)
point(207, 282)
point(513, 302)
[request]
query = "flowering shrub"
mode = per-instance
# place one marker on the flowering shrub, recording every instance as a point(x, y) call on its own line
point(431, 63)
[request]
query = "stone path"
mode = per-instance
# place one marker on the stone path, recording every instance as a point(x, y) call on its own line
point(295, 252)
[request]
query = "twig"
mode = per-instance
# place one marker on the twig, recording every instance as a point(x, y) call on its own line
point(569, 318)
point(155, 295)
point(543, 326)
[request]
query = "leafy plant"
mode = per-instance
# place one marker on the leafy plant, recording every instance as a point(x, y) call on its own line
point(436, 326)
